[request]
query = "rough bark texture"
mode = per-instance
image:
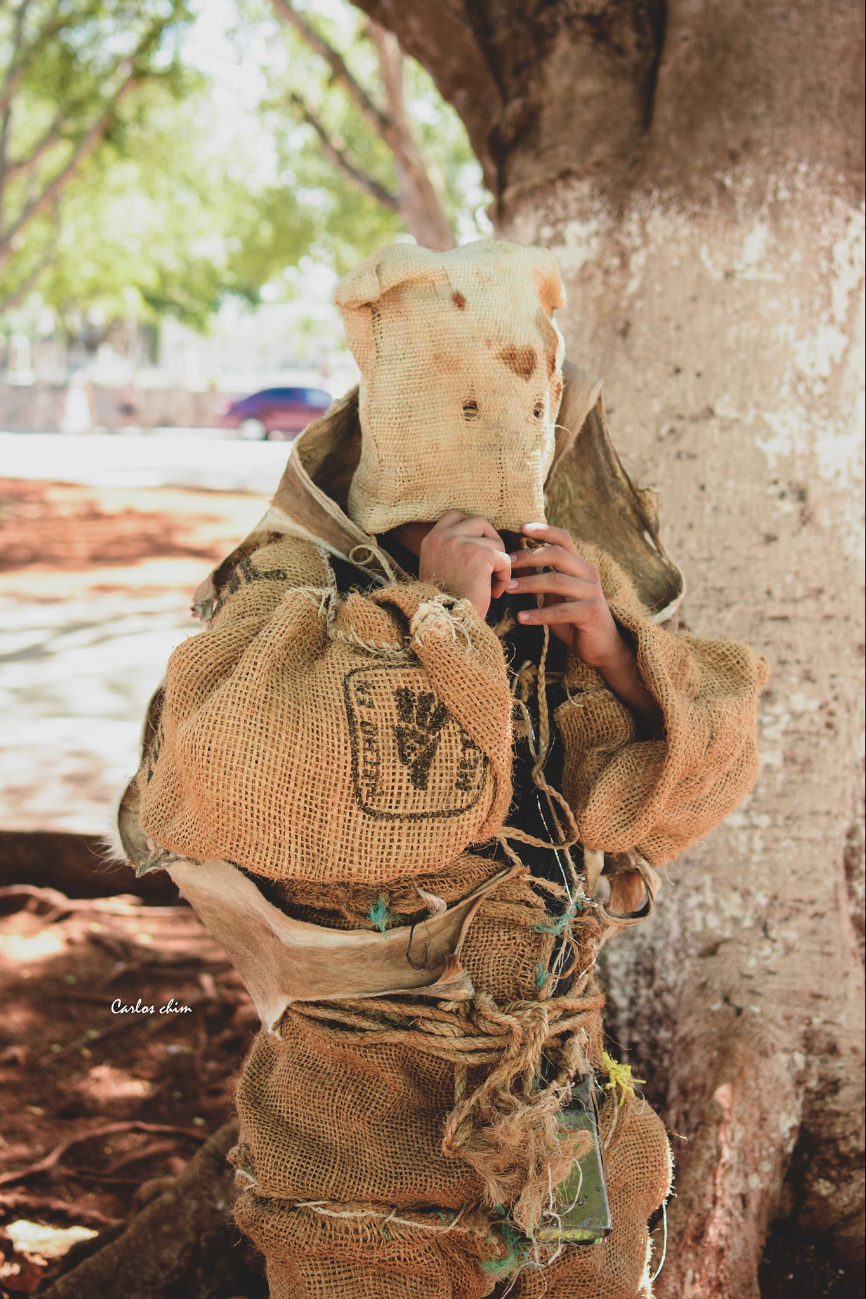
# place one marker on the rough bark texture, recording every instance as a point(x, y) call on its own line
point(181, 1245)
point(697, 169)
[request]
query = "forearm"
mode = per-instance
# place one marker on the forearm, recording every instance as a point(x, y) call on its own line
point(623, 677)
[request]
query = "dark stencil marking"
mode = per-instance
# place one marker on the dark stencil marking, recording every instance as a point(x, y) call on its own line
point(459, 301)
point(418, 732)
point(243, 574)
point(471, 759)
point(404, 728)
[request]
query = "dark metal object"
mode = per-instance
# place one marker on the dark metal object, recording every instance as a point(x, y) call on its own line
point(581, 1200)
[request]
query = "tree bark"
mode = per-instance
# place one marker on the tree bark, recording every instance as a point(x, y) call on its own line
point(182, 1244)
point(696, 168)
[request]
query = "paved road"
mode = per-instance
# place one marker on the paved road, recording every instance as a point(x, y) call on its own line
point(205, 458)
point(82, 648)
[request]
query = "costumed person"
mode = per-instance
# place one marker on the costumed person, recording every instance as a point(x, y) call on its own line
point(439, 710)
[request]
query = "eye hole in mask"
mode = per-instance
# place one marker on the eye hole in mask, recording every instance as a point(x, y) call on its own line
point(470, 409)
point(538, 410)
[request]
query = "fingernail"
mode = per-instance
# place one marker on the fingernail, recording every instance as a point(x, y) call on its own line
point(515, 554)
point(533, 525)
point(522, 616)
point(512, 585)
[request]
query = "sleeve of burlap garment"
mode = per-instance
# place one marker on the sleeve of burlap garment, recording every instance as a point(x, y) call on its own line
point(662, 794)
point(310, 735)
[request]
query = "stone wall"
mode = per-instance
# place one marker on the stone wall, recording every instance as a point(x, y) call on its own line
point(40, 407)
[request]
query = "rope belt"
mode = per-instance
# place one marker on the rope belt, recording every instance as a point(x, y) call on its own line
point(480, 1033)
point(507, 1126)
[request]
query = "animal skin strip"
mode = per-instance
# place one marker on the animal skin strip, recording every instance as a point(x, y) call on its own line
point(282, 960)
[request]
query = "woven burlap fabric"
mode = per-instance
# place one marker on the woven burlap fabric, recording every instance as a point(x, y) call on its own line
point(663, 794)
point(347, 904)
point(638, 1170)
point(303, 1088)
point(312, 1255)
point(268, 754)
point(461, 367)
point(307, 736)
point(356, 1128)
point(355, 1250)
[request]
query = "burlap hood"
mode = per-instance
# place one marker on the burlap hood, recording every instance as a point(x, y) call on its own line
point(588, 491)
point(461, 366)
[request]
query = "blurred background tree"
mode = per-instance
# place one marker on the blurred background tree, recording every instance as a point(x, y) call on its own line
point(75, 79)
point(130, 191)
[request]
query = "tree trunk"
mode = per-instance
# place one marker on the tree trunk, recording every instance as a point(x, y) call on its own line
point(696, 169)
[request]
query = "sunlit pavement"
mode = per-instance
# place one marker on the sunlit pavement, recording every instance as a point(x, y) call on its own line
point(75, 677)
point(206, 458)
point(82, 651)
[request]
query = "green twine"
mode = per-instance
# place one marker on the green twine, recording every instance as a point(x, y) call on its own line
point(517, 1247)
point(561, 923)
point(541, 973)
point(380, 916)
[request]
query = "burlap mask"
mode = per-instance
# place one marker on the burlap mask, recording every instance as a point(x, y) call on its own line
point(461, 381)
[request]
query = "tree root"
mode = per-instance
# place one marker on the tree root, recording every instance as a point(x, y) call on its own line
point(52, 1159)
point(21, 1202)
point(181, 1245)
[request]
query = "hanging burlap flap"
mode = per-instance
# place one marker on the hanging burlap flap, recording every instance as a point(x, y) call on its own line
point(590, 493)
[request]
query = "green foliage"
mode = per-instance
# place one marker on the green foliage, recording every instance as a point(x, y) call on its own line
point(180, 201)
point(348, 222)
point(168, 230)
point(76, 76)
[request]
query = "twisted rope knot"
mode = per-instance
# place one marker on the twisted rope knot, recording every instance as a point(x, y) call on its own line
point(505, 1124)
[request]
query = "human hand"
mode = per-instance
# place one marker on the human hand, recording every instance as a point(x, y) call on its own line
point(576, 610)
point(574, 604)
point(466, 555)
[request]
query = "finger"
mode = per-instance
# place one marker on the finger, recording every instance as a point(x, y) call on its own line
point(501, 564)
point(498, 560)
point(577, 612)
point(486, 543)
point(565, 585)
point(556, 536)
point(475, 525)
point(449, 518)
point(565, 561)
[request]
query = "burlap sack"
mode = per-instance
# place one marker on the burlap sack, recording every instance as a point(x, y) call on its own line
point(461, 367)
point(347, 1181)
point(307, 736)
point(362, 1251)
point(659, 795)
point(637, 1158)
point(298, 1082)
point(321, 1246)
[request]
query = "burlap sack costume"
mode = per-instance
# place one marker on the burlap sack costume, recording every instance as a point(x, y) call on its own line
point(331, 774)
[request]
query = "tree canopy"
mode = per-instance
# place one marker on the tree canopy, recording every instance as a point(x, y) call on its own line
point(131, 187)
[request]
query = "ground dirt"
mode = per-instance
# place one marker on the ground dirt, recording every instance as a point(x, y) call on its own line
point(83, 572)
point(131, 1094)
